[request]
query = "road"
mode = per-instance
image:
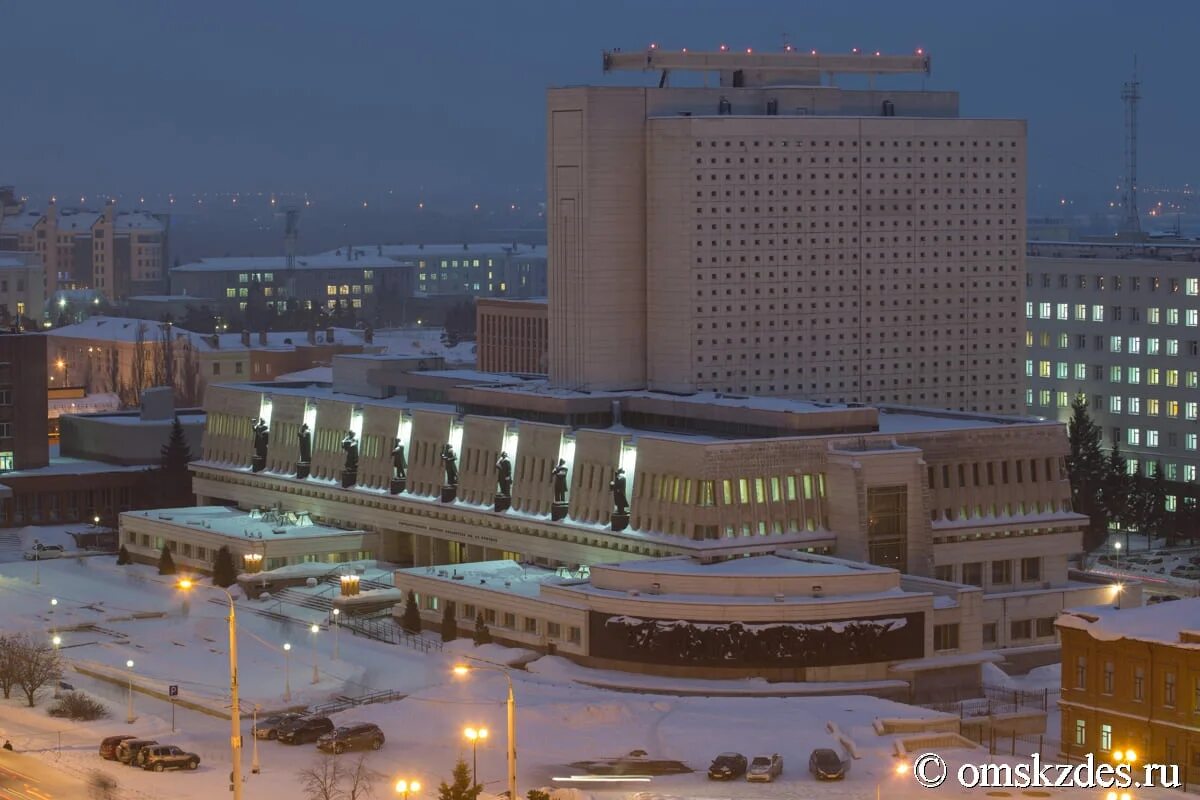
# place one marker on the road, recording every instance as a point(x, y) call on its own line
point(27, 778)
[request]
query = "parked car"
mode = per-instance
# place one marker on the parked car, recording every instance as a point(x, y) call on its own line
point(167, 756)
point(827, 765)
point(765, 768)
point(41, 552)
point(305, 729)
point(727, 766)
point(268, 727)
point(108, 746)
point(356, 736)
point(1189, 572)
point(128, 749)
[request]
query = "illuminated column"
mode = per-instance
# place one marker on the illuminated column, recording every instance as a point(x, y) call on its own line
point(304, 435)
point(562, 478)
point(399, 482)
point(450, 455)
point(502, 500)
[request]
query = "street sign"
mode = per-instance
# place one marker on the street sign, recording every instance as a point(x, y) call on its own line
point(173, 690)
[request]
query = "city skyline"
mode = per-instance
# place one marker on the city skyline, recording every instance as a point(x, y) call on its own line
point(370, 104)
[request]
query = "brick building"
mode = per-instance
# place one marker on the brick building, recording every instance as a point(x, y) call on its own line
point(1131, 680)
point(23, 401)
point(511, 335)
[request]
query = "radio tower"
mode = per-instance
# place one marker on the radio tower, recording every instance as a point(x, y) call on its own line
point(1130, 95)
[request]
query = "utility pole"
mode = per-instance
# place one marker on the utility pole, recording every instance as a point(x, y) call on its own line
point(1131, 93)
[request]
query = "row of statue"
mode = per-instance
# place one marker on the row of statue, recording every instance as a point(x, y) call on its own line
point(504, 470)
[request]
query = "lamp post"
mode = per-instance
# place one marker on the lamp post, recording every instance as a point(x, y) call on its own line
point(129, 716)
point(403, 787)
point(313, 629)
point(337, 612)
point(1117, 547)
point(53, 604)
point(465, 669)
point(235, 735)
point(474, 735)
point(287, 678)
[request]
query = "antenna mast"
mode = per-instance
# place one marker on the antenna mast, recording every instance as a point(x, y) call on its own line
point(1130, 94)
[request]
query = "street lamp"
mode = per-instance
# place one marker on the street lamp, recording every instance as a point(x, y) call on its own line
point(474, 735)
point(337, 612)
point(254, 768)
point(1117, 547)
point(235, 736)
point(287, 678)
point(129, 666)
point(403, 787)
point(901, 768)
point(314, 629)
point(463, 670)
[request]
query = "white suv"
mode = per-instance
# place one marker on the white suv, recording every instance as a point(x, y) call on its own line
point(40, 552)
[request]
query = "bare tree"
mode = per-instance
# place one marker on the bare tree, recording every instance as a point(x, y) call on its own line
point(165, 356)
point(322, 780)
point(360, 780)
point(36, 666)
point(188, 380)
point(139, 362)
point(8, 668)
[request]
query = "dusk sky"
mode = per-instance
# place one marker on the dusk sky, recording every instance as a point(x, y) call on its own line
point(446, 99)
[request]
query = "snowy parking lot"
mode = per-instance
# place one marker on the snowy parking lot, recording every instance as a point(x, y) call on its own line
point(107, 615)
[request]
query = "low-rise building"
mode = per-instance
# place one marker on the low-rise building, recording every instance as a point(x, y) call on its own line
point(1131, 681)
point(511, 335)
point(787, 615)
point(257, 539)
point(470, 270)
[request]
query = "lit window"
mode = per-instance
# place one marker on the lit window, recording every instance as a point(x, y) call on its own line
point(1172, 347)
point(1152, 316)
point(1152, 347)
point(1097, 313)
point(1043, 310)
point(331, 290)
point(1114, 374)
point(1114, 404)
point(1028, 368)
point(1029, 309)
point(1152, 376)
point(1193, 287)
point(1190, 410)
point(1044, 397)
point(1133, 375)
point(1172, 316)
point(1135, 405)
point(1151, 438)
point(1134, 437)
point(1172, 408)
point(1106, 737)
point(1189, 470)
point(1081, 372)
point(1063, 370)
point(1135, 345)
point(1193, 317)
point(1080, 312)
point(1064, 401)
point(1064, 311)
point(1043, 369)
point(1114, 344)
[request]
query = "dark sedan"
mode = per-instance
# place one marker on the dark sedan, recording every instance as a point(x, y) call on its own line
point(727, 767)
point(826, 765)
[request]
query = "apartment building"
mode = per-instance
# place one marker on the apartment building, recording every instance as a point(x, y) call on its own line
point(373, 286)
point(22, 294)
point(23, 401)
point(116, 253)
point(1120, 323)
point(773, 236)
point(1131, 682)
point(472, 270)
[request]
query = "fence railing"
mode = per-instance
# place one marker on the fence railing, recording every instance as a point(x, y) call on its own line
point(384, 629)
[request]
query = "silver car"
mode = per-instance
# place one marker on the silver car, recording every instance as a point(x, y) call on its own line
point(765, 769)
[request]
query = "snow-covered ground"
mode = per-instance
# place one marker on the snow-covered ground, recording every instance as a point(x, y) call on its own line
point(559, 720)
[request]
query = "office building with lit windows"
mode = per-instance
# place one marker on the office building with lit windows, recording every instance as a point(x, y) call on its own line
point(1120, 323)
point(469, 270)
point(375, 287)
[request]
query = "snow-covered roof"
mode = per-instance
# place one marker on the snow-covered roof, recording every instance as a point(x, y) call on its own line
point(1163, 622)
point(261, 263)
point(77, 221)
point(90, 404)
point(762, 566)
point(471, 250)
point(311, 375)
point(66, 465)
point(20, 223)
point(120, 329)
point(136, 221)
point(502, 576)
point(238, 524)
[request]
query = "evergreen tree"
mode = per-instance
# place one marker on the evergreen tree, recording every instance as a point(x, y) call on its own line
point(461, 788)
point(166, 564)
point(224, 572)
point(123, 557)
point(482, 635)
point(1115, 486)
point(1154, 504)
point(411, 620)
point(176, 486)
point(449, 626)
point(1085, 466)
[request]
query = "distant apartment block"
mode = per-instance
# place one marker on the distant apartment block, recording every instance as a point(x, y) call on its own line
point(375, 287)
point(511, 335)
point(471, 270)
point(770, 235)
point(1120, 323)
point(116, 253)
point(22, 294)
